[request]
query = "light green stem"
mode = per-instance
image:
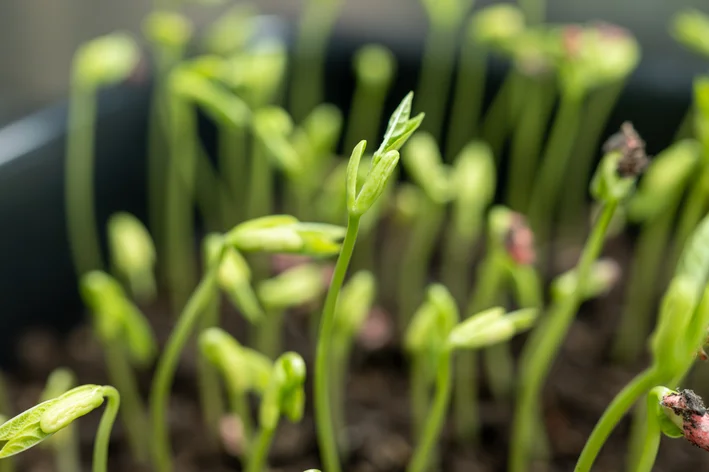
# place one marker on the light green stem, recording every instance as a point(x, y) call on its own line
point(693, 209)
point(416, 259)
point(67, 455)
point(543, 345)
point(232, 166)
point(133, 413)
point(180, 261)
point(79, 180)
point(550, 177)
point(103, 435)
point(239, 405)
point(210, 396)
point(260, 201)
point(686, 127)
point(167, 364)
point(620, 405)
point(267, 334)
point(436, 74)
point(636, 318)
point(468, 97)
point(436, 416)
point(323, 407)
point(457, 255)
point(527, 140)
point(257, 460)
point(421, 381)
point(365, 114)
point(503, 113)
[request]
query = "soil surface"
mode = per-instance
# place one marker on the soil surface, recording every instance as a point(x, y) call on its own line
point(582, 383)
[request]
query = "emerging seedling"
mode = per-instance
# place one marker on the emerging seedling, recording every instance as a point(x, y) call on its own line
point(230, 33)
point(359, 200)
point(99, 63)
point(284, 396)
point(40, 422)
point(243, 370)
point(133, 254)
point(127, 339)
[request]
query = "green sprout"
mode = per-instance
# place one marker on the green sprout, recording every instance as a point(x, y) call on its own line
point(275, 234)
point(64, 443)
point(133, 254)
point(360, 199)
point(42, 421)
point(690, 27)
point(243, 370)
point(655, 205)
point(284, 396)
point(614, 181)
point(99, 63)
point(481, 330)
point(299, 286)
point(127, 339)
point(230, 33)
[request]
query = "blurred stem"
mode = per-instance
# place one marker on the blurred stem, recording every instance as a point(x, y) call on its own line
point(693, 209)
point(239, 406)
point(233, 168)
point(323, 367)
point(421, 382)
point(468, 96)
point(260, 201)
point(541, 348)
point(593, 123)
point(436, 75)
point(527, 139)
point(167, 364)
point(267, 334)
point(436, 415)
point(79, 180)
point(259, 456)
point(103, 434)
point(365, 114)
point(457, 256)
point(340, 361)
point(133, 412)
point(620, 405)
point(211, 400)
point(417, 257)
point(686, 126)
point(67, 454)
point(636, 318)
point(179, 215)
point(307, 86)
point(502, 115)
point(548, 181)
point(158, 132)
point(641, 432)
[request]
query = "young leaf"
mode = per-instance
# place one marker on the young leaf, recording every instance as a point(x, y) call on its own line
point(354, 303)
point(133, 253)
point(423, 161)
point(231, 31)
point(374, 65)
point(399, 128)
point(235, 280)
point(284, 395)
point(353, 175)
point(602, 277)
point(491, 327)
point(497, 25)
point(375, 183)
point(472, 184)
point(670, 423)
point(691, 28)
point(70, 406)
point(294, 287)
point(167, 28)
point(106, 60)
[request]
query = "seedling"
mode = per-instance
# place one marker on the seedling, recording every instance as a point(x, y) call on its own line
point(359, 201)
point(243, 370)
point(610, 186)
point(284, 396)
point(40, 422)
point(133, 254)
point(64, 443)
point(283, 234)
point(99, 63)
point(127, 339)
point(481, 330)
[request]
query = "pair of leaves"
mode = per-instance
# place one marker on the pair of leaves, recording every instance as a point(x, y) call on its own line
point(284, 394)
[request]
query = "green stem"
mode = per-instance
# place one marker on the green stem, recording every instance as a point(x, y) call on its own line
point(457, 255)
point(340, 362)
point(267, 335)
point(650, 445)
point(257, 461)
point(365, 114)
point(548, 181)
point(640, 435)
point(468, 96)
point(416, 259)
point(436, 416)
point(210, 397)
point(502, 115)
point(79, 180)
point(636, 318)
point(180, 262)
point(436, 74)
point(693, 210)
point(593, 123)
point(232, 165)
point(539, 351)
point(307, 85)
point(686, 126)
point(612, 416)
point(239, 405)
point(133, 413)
point(323, 408)
point(260, 201)
point(67, 455)
point(167, 364)
point(421, 382)
point(527, 140)
point(103, 435)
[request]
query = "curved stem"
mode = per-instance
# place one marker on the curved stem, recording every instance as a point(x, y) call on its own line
point(612, 416)
point(79, 180)
point(323, 408)
point(541, 348)
point(165, 370)
point(436, 416)
point(257, 461)
point(103, 435)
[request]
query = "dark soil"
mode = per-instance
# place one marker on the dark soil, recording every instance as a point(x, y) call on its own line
point(582, 384)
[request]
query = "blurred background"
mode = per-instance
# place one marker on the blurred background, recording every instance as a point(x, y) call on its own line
point(38, 37)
